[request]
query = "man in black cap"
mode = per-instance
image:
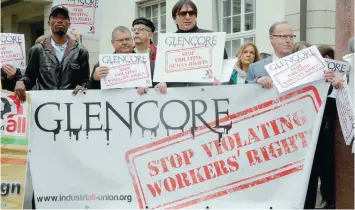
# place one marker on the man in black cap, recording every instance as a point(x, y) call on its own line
point(56, 63)
point(143, 30)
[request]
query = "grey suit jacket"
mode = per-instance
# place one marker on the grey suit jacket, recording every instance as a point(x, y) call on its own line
point(257, 70)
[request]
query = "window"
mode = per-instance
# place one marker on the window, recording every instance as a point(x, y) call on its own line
point(238, 21)
point(156, 12)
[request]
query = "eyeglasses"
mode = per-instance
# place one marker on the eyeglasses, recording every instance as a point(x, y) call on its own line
point(184, 13)
point(139, 29)
point(122, 40)
point(284, 37)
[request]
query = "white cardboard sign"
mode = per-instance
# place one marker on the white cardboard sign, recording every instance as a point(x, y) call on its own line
point(297, 69)
point(126, 70)
point(346, 112)
point(85, 16)
point(189, 57)
point(13, 50)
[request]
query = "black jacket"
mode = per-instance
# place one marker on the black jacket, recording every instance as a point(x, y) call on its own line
point(45, 72)
point(189, 84)
point(94, 84)
point(9, 84)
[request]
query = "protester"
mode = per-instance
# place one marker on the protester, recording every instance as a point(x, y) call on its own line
point(75, 35)
point(264, 55)
point(57, 63)
point(248, 54)
point(300, 46)
point(122, 42)
point(324, 158)
point(9, 76)
point(281, 38)
point(184, 14)
point(40, 39)
point(143, 30)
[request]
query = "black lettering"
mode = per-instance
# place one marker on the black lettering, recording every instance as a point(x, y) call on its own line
point(88, 116)
point(54, 131)
point(168, 127)
point(152, 130)
point(127, 124)
point(75, 131)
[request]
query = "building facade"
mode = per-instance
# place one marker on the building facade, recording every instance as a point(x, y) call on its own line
point(241, 19)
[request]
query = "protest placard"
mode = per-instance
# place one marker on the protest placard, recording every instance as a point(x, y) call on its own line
point(14, 131)
point(189, 57)
point(192, 148)
point(345, 112)
point(339, 68)
point(13, 50)
point(85, 16)
point(126, 70)
point(228, 67)
point(297, 69)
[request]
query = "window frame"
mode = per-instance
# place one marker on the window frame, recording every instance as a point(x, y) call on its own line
point(237, 35)
point(142, 6)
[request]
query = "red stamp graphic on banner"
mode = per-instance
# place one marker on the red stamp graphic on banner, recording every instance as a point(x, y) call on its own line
point(188, 59)
point(184, 170)
point(127, 73)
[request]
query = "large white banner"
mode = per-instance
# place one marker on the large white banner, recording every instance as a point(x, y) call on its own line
point(200, 147)
point(85, 16)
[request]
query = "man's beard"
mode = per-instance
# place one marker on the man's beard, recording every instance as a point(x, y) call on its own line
point(60, 32)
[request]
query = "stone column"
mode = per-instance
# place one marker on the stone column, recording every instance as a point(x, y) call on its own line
point(344, 160)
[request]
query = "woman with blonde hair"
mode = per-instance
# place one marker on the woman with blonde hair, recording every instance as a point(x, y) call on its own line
point(248, 54)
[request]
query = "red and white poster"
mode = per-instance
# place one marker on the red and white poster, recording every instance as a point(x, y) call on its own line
point(126, 70)
point(191, 148)
point(13, 50)
point(189, 57)
point(85, 15)
point(297, 69)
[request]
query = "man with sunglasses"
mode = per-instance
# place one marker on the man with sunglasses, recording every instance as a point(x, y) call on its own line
point(281, 37)
point(184, 14)
point(143, 30)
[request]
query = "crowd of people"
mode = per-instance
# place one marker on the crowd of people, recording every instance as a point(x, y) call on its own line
point(61, 62)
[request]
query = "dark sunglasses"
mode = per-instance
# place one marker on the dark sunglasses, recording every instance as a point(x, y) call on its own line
point(184, 13)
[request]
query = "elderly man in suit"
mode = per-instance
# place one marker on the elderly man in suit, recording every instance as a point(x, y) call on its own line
point(281, 38)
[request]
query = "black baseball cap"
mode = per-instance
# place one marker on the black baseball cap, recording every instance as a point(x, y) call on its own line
point(59, 9)
point(145, 22)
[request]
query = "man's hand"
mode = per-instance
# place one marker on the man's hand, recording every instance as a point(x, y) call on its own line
point(10, 70)
point(265, 82)
point(161, 87)
point(20, 91)
point(338, 84)
point(142, 90)
point(216, 82)
point(100, 72)
point(80, 89)
point(329, 75)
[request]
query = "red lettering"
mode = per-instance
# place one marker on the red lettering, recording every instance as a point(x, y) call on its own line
point(209, 171)
point(156, 189)
point(291, 142)
point(253, 157)
point(275, 152)
point(220, 167)
point(196, 176)
point(154, 169)
point(182, 180)
point(170, 184)
point(232, 162)
point(11, 126)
